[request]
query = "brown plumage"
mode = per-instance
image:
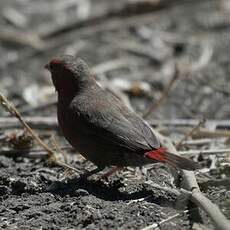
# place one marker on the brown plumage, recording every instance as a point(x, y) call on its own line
point(102, 128)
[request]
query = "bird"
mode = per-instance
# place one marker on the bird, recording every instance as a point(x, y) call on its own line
point(100, 126)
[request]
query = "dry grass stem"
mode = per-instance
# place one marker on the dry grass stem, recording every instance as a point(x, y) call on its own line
point(155, 105)
point(58, 148)
point(10, 108)
point(190, 133)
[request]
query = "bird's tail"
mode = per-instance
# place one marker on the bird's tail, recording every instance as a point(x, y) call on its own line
point(162, 155)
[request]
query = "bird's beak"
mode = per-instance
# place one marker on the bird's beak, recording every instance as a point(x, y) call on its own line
point(47, 66)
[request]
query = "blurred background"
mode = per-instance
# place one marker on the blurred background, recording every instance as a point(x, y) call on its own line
point(132, 47)
point(167, 59)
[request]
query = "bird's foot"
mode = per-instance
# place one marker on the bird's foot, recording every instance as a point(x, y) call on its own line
point(112, 170)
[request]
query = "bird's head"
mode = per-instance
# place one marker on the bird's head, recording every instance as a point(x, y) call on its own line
point(68, 73)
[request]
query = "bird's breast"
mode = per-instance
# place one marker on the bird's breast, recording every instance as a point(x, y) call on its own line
point(74, 130)
point(69, 124)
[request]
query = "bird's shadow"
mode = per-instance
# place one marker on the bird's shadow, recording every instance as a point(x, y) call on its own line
point(99, 188)
point(102, 190)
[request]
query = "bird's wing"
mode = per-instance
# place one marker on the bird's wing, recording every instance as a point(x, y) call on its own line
point(145, 130)
point(110, 119)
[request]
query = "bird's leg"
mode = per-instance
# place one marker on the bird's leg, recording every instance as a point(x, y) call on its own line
point(105, 175)
point(92, 172)
point(110, 172)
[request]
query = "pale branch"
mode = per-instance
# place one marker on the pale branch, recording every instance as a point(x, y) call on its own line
point(110, 65)
point(197, 197)
point(158, 225)
point(190, 133)
point(202, 141)
point(211, 209)
point(204, 151)
point(202, 132)
point(30, 153)
point(189, 122)
point(173, 191)
point(34, 122)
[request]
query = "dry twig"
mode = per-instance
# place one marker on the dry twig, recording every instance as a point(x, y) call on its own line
point(204, 151)
point(22, 38)
point(49, 123)
point(110, 65)
point(197, 197)
point(58, 148)
point(218, 124)
point(190, 133)
point(158, 225)
point(170, 190)
point(164, 95)
point(201, 133)
point(202, 141)
point(10, 108)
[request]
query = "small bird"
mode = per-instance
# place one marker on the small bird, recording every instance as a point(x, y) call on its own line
point(100, 126)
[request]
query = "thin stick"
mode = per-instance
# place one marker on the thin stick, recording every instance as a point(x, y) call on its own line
point(30, 152)
point(109, 65)
point(173, 191)
point(197, 197)
point(155, 105)
point(157, 225)
point(64, 165)
point(211, 133)
point(204, 151)
point(58, 148)
point(10, 108)
point(34, 122)
point(190, 133)
point(203, 141)
point(190, 122)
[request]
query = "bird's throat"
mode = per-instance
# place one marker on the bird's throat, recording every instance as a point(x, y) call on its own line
point(65, 96)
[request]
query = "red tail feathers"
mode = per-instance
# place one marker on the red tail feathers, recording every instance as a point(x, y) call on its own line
point(162, 155)
point(157, 154)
